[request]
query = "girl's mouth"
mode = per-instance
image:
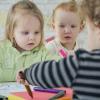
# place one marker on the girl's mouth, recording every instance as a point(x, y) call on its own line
point(31, 44)
point(67, 37)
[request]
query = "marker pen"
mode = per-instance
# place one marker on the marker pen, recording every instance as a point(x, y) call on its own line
point(58, 95)
point(46, 90)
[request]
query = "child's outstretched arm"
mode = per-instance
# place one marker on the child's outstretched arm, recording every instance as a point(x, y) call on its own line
point(49, 74)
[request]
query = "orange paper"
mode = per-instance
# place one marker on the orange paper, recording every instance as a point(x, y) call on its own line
point(65, 98)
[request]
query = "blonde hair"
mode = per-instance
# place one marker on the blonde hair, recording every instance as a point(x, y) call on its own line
point(22, 7)
point(69, 6)
point(92, 9)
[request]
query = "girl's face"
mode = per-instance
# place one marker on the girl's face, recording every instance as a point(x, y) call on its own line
point(27, 32)
point(66, 26)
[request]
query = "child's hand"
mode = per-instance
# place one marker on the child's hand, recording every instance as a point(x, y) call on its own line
point(20, 78)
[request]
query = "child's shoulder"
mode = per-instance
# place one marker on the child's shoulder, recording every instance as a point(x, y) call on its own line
point(84, 54)
point(4, 43)
point(5, 46)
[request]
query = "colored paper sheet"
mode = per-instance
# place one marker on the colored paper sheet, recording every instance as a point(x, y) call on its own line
point(36, 95)
point(25, 96)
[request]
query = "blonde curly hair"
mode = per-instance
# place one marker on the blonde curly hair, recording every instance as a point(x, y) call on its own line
point(92, 9)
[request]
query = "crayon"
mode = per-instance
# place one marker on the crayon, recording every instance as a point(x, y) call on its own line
point(58, 95)
point(47, 90)
point(26, 86)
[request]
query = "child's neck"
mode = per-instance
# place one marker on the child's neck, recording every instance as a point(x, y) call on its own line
point(19, 49)
point(69, 46)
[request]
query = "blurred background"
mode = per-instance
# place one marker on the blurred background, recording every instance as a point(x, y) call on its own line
point(46, 7)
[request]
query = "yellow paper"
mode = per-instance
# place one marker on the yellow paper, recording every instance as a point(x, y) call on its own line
point(13, 97)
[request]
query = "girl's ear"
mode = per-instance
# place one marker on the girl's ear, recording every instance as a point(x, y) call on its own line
point(53, 25)
point(82, 25)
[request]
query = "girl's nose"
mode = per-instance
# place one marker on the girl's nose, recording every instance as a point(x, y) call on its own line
point(31, 36)
point(67, 29)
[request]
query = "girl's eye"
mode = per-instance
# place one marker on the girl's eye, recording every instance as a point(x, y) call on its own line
point(25, 33)
point(61, 26)
point(73, 26)
point(36, 33)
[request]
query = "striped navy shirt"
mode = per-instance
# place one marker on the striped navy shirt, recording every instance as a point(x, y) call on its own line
point(80, 72)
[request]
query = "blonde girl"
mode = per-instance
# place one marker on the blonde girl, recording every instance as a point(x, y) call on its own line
point(67, 23)
point(23, 44)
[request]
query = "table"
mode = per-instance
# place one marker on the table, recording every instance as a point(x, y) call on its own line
point(7, 88)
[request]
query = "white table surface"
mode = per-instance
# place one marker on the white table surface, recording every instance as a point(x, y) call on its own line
point(8, 88)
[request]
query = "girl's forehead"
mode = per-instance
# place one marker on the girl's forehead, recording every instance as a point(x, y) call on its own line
point(26, 17)
point(30, 22)
point(23, 14)
point(67, 12)
point(67, 15)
